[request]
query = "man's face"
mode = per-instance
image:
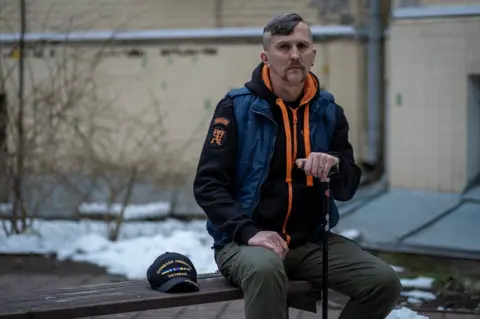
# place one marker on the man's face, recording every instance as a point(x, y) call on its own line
point(291, 56)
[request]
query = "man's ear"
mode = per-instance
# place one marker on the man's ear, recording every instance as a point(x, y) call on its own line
point(264, 58)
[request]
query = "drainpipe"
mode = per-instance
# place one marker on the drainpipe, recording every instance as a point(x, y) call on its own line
point(374, 84)
point(218, 13)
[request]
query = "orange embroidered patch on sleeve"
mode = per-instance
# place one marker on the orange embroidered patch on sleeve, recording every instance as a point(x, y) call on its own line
point(217, 136)
point(221, 120)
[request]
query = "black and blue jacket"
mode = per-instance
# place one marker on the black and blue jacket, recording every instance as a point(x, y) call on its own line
point(246, 179)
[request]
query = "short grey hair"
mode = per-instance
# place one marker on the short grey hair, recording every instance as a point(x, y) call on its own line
point(283, 24)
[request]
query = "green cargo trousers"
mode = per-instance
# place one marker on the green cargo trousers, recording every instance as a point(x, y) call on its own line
point(372, 285)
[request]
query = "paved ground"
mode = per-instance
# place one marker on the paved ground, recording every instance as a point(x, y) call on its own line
point(29, 273)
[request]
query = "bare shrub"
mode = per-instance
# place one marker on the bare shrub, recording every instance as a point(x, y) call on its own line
point(66, 135)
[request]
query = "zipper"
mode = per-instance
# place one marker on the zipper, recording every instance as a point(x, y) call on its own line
point(295, 121)
point(290, 186)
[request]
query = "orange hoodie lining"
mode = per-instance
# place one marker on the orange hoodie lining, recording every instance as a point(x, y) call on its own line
point(286, 124)
point(306, 138)
point(309, 91)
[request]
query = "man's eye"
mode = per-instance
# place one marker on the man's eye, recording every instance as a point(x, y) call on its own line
point(284, 46)
point(301, 46)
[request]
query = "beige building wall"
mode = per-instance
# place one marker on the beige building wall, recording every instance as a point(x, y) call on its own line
point(420, 3)
point(161, 100)
point(86, 15)
point(341, 64)
point(432, 142)
point(142, 104)
point(74, 15)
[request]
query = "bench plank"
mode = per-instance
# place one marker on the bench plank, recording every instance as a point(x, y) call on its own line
point(130, 296)
point(117, 284)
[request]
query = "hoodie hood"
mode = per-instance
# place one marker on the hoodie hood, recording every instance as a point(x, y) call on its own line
point(261, 85)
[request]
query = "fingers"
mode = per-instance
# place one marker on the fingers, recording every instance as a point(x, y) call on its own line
point(326, 169)
point(331, 162)
point(283, 243)
point(270, 240)
point(317, 165)
point(307, 168)
point(300, 162)
point(270, 245)
point(277, 249)
point(312, 165)
point(280, 245)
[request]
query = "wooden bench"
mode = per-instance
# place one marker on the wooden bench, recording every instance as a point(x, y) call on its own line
point(136, 295)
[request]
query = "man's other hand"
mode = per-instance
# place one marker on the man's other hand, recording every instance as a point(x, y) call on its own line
point(317, 165)
point(271, 240)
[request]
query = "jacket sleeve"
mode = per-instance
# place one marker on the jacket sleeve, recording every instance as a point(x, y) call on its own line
point(345, 184)
point(213, 184)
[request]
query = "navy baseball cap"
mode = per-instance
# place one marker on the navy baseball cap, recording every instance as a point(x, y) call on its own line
point(172, 272)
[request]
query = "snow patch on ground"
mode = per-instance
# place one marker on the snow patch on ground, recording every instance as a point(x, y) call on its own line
point(419, 295)
point(138, 245)
point(353, 234)
point(404, 313)
point(131, 211)
point(419, 282)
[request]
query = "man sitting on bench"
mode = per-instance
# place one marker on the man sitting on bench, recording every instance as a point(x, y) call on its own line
point(264, 212)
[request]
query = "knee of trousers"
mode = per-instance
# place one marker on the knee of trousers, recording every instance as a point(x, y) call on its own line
point(387, 282)
point(267, 270)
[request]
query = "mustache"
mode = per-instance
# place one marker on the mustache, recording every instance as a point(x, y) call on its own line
point(296, 66)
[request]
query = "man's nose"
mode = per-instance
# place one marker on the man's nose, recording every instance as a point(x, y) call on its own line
point(294, 53)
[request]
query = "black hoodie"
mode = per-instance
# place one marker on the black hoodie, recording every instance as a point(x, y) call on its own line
point(290, 208)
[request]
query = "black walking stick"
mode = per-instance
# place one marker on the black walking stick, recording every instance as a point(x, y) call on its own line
point(326, 230)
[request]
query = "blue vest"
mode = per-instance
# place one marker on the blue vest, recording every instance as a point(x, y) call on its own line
point(256, 141)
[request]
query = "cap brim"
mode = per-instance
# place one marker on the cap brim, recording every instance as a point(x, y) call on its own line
point(178, 285)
